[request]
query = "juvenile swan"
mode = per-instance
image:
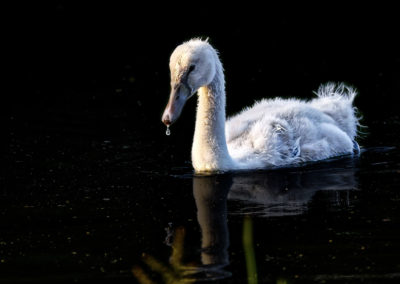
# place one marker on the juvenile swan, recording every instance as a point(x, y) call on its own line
point(272, 133)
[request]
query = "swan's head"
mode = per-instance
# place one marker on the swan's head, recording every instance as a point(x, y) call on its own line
point(192, 65)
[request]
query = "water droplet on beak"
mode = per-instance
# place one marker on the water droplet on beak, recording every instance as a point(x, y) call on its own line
point(168, 132)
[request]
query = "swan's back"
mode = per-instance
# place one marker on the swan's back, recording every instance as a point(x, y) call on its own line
point(278, 132)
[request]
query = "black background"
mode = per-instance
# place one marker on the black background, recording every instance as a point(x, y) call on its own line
point(92, 63)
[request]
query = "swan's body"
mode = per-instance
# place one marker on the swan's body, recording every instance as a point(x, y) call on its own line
point(272, 133)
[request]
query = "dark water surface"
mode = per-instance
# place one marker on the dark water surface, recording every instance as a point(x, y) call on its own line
point(91, 188)
point(87, 199)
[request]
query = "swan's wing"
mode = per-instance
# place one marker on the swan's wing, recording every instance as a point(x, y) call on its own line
point(236, 128)
point(237, 125)
point(281, 132)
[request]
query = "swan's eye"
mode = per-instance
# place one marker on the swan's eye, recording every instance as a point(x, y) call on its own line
point(191, 68)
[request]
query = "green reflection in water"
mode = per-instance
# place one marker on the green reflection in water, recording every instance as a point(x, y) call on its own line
point(249, 250)
point(281, 281)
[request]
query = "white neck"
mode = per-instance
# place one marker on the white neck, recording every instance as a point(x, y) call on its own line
point(209, 150)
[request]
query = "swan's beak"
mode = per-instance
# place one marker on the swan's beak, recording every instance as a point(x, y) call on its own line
point(177, 100)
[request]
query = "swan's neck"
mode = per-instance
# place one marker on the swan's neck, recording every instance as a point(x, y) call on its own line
point(209, 151)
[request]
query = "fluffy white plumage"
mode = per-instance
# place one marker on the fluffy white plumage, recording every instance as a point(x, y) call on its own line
point(279, 132)
point(271, 133)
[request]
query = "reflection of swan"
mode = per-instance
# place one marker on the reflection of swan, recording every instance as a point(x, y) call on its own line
point(282, 193)
point(271, 133)
point(277, 193)
point(210, 194)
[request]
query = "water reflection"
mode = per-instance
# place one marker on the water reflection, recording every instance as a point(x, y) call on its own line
point(266, 194)
point(261, 194)
point(210, 194)
point(285, 193)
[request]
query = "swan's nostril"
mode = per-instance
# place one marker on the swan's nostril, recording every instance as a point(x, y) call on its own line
point(166, 120)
